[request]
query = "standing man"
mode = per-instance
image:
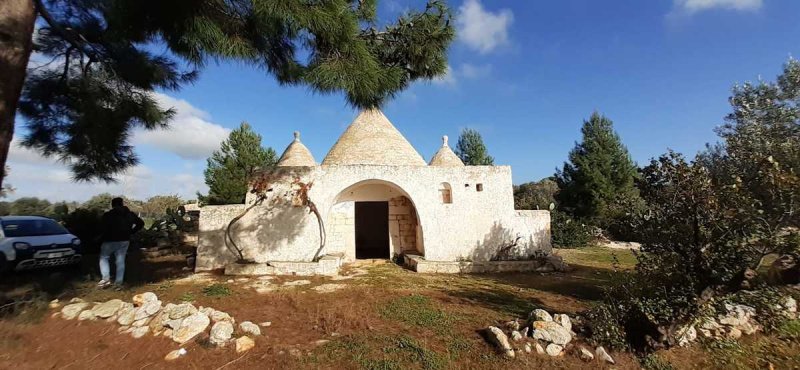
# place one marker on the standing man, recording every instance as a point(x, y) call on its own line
point(118, 225)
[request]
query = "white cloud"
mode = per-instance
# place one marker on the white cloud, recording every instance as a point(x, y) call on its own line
point(190, 134)
point(475, 71)
point(448, 79)
point(696, 6)
point(480, 29)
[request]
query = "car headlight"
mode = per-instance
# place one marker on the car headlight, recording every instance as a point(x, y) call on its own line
point(76, 242)
point(21, 246)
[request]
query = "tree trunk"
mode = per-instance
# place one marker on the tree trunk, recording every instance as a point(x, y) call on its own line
point(17, 18)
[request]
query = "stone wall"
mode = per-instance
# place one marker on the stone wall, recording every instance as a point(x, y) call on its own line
point(480, 220)
point(402, 226)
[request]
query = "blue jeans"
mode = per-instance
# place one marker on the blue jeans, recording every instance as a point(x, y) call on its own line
point(119, 250)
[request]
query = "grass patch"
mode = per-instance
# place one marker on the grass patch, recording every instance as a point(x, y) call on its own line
point(186, 297)
point(789, 330)
point(599, 257)
point(417, 310)
point(653, 362)
point(217, 290)
point(381, 353)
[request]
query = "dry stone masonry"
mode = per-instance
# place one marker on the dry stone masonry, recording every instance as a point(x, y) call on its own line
point(182, 322)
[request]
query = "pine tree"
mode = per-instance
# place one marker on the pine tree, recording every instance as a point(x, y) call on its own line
point(232, 166)
point(599, 174)
point(471, 150)
point(83, 105)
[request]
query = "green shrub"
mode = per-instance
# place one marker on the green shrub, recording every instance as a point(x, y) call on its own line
point(567, 232)
point(653, 362)
point(604, 329)
point(217, 290)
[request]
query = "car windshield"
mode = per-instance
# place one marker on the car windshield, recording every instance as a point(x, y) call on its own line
point(15, 228)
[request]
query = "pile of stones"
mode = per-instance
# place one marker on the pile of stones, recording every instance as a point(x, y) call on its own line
point(735, 321)
point(543, 333)
point(181, 322)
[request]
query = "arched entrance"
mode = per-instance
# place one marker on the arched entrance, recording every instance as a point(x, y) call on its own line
point(375, 219)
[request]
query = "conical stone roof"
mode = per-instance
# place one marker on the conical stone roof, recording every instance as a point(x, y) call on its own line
point(372, 139)
point(445, 156)
point(296, 154)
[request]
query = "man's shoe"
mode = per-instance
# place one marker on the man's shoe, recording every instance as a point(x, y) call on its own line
point(103, 284)
point(119, 287)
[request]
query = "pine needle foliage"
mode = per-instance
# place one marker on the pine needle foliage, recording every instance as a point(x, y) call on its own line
point(471, 149)
point(82, 106)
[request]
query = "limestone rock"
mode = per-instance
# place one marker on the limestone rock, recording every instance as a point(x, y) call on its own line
point(126, 316)
point(585, 354)
point(266, 324)
point(249, 328)
point(734, 333)
point(528, 348)
point(540, 315)
point(72, 310)
point(554, 349)
point(76, 300)
point(244, 344)
point(221, 333)
point(140, 299)
point(176, 354)
point(181, 311)
point(512, 325)
point(87, 315)
point(217, 316)
point(563, 320)
point(139, 323)
point(558, 263)
point(54, 304)
point(686, 335)
point(123, 329)
point(173, 324)
point(539, 349)
point(541, 335)
point(603, 355)
point(191, 327)
point(789, 305)
point(157, 323)
point(516, 336)
point(525, 331)
point(108, 309)
point(500, 340)
point(328, 288)
point(558, 334)
point(297, 283)
point(140, 332)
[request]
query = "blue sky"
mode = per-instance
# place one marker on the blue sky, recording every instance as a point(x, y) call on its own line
point(523, 73)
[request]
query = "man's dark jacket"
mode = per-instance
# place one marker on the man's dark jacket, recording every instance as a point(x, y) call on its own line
point(119, 224)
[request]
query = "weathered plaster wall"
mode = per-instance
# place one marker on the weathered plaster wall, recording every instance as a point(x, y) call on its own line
point(473, 227)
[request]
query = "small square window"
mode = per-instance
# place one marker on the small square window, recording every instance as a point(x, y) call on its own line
point(466, 185)
point(479, 187)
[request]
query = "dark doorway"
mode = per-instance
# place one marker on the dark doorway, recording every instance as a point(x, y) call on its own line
point(372, 230)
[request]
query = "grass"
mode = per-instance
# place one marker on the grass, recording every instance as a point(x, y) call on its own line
point(417, 310)
point(187, 297)
point(380, 352)
point(217, 290)
point(599, 257)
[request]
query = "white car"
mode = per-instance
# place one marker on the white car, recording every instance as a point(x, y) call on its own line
point(29, 242)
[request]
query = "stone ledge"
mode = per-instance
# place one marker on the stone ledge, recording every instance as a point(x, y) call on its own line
point(421, 265)
point(327, 265)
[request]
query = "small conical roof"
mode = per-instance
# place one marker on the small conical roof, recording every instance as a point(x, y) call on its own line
point(445, 156)
point(296, 154)
point(372, 139)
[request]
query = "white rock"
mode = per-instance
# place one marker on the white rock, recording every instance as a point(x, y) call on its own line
point(87, 315)
point(191, 327)
point(173, 324)
point(539, 349)
point(123, 329)
point(499, 339)
point(586, 355)
point(250, 328)
point(297, 283)
point(244, 344)
point(76, 300)
point(141, 299)
point(174, 355)
point(553, 349)
point(603, 355)
point(126, 316)
point(541, 335)
point(512, 325)
point(108, 309)
point(558, 334)
point(563, 320)
point(182, 310)
point(686, 335)
point(54, 304)
point(72, 310)
point(217, 316)
point(266, 323)
point(221, 333)
point(140, 331)
point(516, 336)
point(540, 315)
point(528, 348)
point(524, 331)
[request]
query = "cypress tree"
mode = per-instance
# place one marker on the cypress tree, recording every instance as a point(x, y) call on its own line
point(232, 166)
point(599, 173)
point(471, 150)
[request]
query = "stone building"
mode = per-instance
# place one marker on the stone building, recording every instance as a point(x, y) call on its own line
point(377, 198)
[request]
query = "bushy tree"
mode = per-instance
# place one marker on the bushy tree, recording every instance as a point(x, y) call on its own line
point(231, 168)
point(158, 205)
point(710, 222)
point(83, 106)
point(30, 206)
point(535, 195)
point(471, 150)
point(599, 174)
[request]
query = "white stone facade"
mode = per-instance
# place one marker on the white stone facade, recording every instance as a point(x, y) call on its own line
point(442, 213)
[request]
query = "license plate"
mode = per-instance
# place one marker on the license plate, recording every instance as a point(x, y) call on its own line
point(55, 255)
